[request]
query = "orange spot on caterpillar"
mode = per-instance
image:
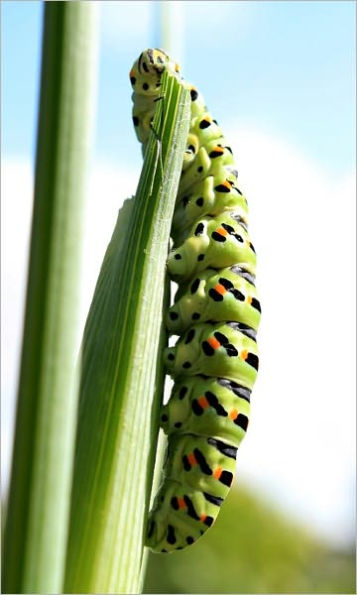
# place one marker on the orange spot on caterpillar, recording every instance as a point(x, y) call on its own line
point(177, 68)
point(214, 343)
point(249, 299)
point(244, 354)
point(181, 503)
point(217, 472)
point(227, 184)
point(222, 231)
point(220, 289)
point(192, 459)
point(202, 401)
point(218, 149)
point(203, 517)
point(233, 414)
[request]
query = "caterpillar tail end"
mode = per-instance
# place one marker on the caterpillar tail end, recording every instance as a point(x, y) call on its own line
point(165, 538)
point(162, 538)
point(179, 517)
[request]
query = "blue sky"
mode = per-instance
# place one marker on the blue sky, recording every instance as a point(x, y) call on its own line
point(280, 79)
point(285, 67)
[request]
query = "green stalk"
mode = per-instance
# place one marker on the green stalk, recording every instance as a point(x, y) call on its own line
point(172, 29)
point(39, 496)
point(122, 372)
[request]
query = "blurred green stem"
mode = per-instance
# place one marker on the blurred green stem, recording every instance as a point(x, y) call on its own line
point(172, 28)
point(38, 506)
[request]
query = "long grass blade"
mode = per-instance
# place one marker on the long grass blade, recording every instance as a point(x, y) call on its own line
point(122, 375)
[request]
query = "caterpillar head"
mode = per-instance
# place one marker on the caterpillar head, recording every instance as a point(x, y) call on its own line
point(147, 70)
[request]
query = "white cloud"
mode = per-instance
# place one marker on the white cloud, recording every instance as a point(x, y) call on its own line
point(107, 189)
point(300, 445)
point(16, 209)
point(301, 440)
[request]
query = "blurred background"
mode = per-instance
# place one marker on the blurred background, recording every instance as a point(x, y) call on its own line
point(280, 79)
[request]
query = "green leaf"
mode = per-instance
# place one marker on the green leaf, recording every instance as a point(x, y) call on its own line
point(122, 371)
point(39, 497)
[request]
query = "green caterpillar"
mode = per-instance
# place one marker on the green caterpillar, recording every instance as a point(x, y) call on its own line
point(216, 313)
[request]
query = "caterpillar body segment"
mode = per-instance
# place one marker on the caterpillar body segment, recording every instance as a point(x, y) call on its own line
point(227, 349)
point(216, 314)
point(214, 295)
point(217, 242)
point(202, 200)
point(208, 407)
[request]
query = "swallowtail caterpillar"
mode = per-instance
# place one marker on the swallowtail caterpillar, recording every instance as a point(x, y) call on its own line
point(216, 314)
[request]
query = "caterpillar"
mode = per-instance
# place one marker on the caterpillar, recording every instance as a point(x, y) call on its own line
point(216, 313)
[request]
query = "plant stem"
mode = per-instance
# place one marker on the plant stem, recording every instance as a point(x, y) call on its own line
point(38, 507)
